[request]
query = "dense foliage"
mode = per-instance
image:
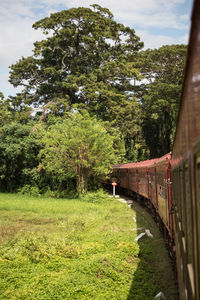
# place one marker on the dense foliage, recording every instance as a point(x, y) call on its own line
point(78, 147)
point(18, 156)
point(160, 96)
point(98, 93)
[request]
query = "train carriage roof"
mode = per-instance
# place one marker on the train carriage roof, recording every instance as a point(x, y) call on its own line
point(144, 163)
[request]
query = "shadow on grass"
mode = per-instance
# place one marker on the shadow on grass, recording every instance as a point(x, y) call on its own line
point(154, 273)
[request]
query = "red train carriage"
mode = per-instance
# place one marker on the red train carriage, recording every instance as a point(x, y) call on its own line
point(151, 180)
point(186, 170)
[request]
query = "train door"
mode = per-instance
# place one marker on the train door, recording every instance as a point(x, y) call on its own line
point(153, 186)
point(169, 196)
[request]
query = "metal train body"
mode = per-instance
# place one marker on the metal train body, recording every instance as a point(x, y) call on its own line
point(150, 180)
point(172, 183)
point(186, 170)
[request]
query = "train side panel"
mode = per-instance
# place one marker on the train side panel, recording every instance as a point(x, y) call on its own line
point(124, 178)
point(186, 166)
point(153, 196)
point(164, 194)
point(143, 182)
point(133, 180)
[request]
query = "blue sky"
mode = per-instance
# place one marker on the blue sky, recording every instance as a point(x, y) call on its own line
point(157, 22)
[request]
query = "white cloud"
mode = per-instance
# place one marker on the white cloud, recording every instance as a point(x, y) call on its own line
point(156, 41)
point(5, 87)
point(143, 13)
point(161, 20)
point(17, 41)
point(17, 35)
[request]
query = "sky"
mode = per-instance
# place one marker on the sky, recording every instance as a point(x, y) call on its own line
point(156, 22)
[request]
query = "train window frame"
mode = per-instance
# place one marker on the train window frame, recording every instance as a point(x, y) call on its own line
point(196, 189)
point(188, 225)
point(189, 211)
point(179, 175)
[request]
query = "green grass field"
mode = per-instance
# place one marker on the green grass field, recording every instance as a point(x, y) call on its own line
point(80, 249)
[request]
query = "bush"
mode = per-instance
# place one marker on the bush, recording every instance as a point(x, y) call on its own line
point(29, 190)
point(95, 197)
point(49, 193)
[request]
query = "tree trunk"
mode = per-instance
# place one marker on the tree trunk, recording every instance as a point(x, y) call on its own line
point(81, 180)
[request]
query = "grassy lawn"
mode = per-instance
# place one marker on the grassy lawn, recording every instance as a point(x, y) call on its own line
point(80, 249)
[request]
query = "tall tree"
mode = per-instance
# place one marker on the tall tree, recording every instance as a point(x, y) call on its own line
point(86, 58)
point(163, 70)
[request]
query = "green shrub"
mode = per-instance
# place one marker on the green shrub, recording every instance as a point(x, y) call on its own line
point(29, 190)
point(95, 197)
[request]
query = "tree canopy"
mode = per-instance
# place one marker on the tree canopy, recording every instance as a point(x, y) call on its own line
point(160, 95)
point(86, 58)
point(78, 147)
